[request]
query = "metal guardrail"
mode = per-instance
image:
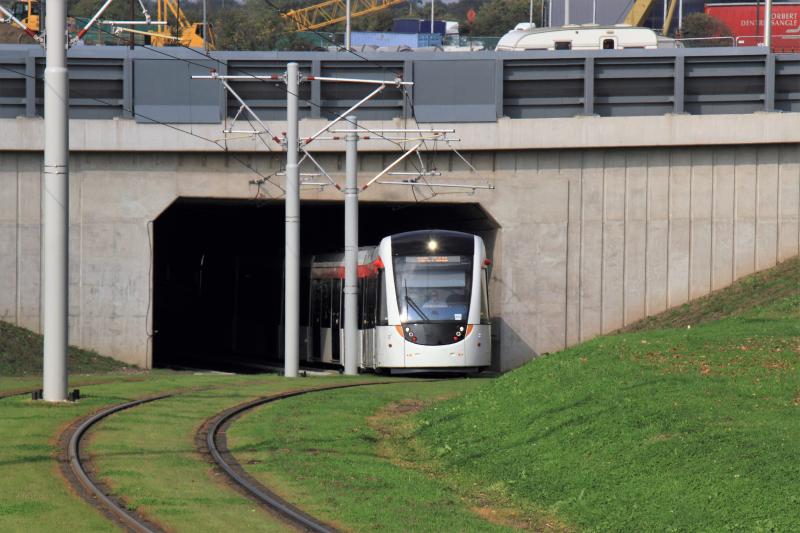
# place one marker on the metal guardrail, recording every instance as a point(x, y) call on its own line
point(109, 82)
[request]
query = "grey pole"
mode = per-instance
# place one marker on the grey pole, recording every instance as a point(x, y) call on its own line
point(291, 310)
point(55, 203)
point(351, 351)
point(566, 12)
point(768, 24)
point(347, 25)
point(432, 4)
point(205, 28)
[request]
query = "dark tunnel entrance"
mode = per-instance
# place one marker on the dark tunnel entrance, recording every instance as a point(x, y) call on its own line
point(218, 268)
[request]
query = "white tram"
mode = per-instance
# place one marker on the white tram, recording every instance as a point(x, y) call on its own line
point(423, 304)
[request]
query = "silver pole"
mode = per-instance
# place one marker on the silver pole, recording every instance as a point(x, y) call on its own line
point(291, 310)
point(680, 15)
point(205, 28)
point(347, 25)
point(351, 339)
point(566, 12)
point(768, 24)
point(432, 3)
point(594, 11)
point(55, 203)
point(530, 17)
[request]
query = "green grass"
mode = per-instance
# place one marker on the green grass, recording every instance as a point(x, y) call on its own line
point(338, 455)
point(682, 429)
point(21, 355)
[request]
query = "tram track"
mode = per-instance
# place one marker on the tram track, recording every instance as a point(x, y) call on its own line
point(212, 437)
point(211, 441)
point(85, 481)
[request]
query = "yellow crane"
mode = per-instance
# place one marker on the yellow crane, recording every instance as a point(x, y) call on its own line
point(333, 11)
point(183, 33)
point(25, 15)
point(28, 11)
point(188, 33)
point(641, 8)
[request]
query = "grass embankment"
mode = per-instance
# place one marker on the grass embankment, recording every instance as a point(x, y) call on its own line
point(654, 430)
point(21, 355)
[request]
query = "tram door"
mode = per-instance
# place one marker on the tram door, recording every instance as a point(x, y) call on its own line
point(336, 319)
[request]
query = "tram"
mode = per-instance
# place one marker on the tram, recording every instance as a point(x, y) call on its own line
point(423, 304)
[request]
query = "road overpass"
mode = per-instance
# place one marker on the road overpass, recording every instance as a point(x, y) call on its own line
point(626, 182)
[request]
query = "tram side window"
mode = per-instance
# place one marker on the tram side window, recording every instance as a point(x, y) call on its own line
point(382, 317)
point(367, 308)
point(314, 304)
point(563, 45)
point(485, 297)
point(325, 303)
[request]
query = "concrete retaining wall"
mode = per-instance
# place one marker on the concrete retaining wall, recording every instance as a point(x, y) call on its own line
point(590, 239)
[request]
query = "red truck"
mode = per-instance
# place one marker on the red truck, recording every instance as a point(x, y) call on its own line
point(746, 21)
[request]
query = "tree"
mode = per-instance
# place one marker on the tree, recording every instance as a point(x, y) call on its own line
point(700, 25)
point(497, 17)
point(255, 26)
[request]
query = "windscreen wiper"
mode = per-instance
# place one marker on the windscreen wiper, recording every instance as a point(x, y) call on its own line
point(413, 304)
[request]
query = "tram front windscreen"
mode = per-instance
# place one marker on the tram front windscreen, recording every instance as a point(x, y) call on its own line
point(433, 288)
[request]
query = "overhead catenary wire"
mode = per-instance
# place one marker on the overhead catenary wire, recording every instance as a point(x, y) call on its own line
point(153, 120)
point(421, 171)
point(263, 79)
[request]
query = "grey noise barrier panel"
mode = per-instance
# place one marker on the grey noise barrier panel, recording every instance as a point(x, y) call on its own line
point(450, 87)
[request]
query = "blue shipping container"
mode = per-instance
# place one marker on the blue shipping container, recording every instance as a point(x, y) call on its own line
point(418, 26)
point(412, 40)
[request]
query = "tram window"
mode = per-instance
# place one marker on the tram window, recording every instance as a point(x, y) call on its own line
point(609, 44)
point(485, 297)
point(383, 308)
point(367, 315)
point(314, 305)
point(325, 303)
point(563, 45)
point(336, 303)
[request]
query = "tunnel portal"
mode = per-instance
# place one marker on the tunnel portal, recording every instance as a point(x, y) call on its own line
point(218, 270)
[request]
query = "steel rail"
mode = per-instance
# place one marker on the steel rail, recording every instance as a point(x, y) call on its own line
point(76, 466)
point(260, 493)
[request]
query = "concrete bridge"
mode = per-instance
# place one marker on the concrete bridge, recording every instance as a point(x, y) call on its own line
point(595, 221)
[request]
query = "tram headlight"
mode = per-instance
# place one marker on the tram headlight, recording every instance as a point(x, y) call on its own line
point(433, 245)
